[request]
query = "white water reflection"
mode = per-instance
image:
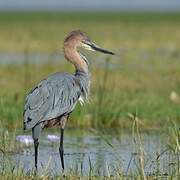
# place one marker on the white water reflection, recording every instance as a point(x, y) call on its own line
point(24, 139)
point(53, 138)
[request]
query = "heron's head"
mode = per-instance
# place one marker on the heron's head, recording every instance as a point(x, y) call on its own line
point(79, 39)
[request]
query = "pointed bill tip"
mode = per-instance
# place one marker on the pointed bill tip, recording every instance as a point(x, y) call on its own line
point(97, 48)
point(113, 53)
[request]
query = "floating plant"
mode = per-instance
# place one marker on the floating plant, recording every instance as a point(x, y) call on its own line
point(26, 139)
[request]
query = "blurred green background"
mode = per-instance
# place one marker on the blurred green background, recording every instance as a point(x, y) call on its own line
point(143, 78)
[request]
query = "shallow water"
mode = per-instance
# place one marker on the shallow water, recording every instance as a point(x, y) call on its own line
point(53, 58)
point(101, 154)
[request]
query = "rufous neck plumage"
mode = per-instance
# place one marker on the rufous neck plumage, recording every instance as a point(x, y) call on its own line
point(72, 55)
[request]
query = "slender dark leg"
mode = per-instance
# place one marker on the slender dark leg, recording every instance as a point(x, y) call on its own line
point(61, 149)
point(36, 143)
point(35, 135)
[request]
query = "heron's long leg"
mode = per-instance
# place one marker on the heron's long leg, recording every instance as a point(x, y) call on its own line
point(36, 144)
point(61, 148)
point(35, 134)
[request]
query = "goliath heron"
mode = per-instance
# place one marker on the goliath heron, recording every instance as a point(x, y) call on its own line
point(50, 103)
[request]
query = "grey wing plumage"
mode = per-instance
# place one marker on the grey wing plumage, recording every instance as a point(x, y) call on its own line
point(53, 97)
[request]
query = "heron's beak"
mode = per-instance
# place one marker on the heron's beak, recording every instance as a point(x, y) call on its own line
point(93, 47)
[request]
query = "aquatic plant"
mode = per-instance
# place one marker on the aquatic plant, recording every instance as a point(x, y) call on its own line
point(26, 139)
point(53, 138)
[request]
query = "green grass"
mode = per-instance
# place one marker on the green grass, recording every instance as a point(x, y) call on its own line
point(147, 65)
point(121, 92)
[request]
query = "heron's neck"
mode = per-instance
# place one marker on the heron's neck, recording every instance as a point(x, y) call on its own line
point(72, 55)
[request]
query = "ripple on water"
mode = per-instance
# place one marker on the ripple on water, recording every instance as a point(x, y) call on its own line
point(104, 154)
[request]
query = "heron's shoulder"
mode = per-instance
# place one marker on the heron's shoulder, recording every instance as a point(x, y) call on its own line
point(59, 76)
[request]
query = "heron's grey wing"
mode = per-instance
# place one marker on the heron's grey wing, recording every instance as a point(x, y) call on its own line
point(52, 97)
point(37, 104)
point(66, 92)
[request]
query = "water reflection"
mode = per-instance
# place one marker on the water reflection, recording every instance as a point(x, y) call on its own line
point(100, 154)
